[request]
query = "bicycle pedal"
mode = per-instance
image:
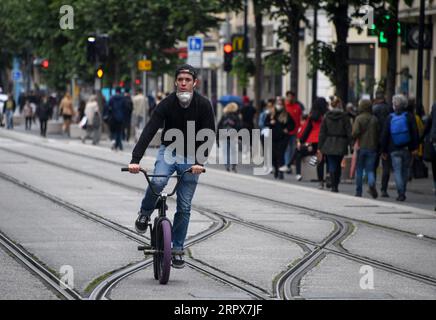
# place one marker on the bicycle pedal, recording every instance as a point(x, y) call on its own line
point(140, 248)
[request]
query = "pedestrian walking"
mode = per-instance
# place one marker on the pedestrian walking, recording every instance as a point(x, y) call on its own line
point(247, 113)
point(93, 121)
point(117, 118)
point(281, 123)
point(418, 169)
point(295, 111)
point(28, 114)
point(67, 112)
point(139, 114)
point(400, 139)
point(381, 110)
point(308, 140)
point(429, 138)
point(334, 140)
point(174, 113)
point(43, 114)
point(229, 139)
point(366, 132)
point(8, 110)
point(128, 109)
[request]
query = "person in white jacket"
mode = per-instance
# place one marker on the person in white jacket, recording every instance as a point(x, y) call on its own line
point(93, 121)
point(140, 110)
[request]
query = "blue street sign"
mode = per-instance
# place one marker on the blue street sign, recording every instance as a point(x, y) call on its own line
point(17, 75)
point(195, 44)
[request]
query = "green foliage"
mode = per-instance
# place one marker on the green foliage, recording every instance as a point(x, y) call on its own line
point(276, 62)
point(243, 69)
point(135, 28)
point(321, 56)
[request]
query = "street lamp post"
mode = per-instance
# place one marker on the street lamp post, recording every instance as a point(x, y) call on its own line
point(420, 55)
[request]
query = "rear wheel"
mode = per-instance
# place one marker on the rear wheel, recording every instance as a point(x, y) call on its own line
point(163, 256)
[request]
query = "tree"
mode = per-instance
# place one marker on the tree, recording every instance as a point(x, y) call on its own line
point(134, 27)
point(261, 7)
point(290, 13)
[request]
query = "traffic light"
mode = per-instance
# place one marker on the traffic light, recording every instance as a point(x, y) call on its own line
point(228, 57)
point(100, 73)
point(379, 28)
point(97, 48)
point(44, 64)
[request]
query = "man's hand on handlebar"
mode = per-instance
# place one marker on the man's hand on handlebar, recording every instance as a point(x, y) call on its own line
point(197, 169)
point(134, 168)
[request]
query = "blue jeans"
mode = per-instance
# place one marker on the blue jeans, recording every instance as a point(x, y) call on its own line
point(401, 163)
point(290, 150)
point(230, 151)
point(185, 193)
point(365, 160)
point(9, 119)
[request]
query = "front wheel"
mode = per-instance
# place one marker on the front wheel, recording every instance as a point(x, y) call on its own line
point(163, 256)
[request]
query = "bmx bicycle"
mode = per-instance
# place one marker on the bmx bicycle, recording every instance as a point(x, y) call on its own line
point(161, 231)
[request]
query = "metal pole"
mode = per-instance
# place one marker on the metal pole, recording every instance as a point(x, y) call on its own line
point(315, 38)
point(244, 90)
point(420, 54)
point(144, 87)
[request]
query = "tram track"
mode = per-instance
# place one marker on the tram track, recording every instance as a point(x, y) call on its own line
point(51, 280)
point(101, 291)
point(287, 285)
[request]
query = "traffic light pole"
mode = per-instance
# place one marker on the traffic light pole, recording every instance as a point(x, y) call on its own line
point(144, 89)
point(244, 89)
point(420, 55)
point(315, 36)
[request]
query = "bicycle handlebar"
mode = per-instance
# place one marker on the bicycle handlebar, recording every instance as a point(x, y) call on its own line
point(147, 176)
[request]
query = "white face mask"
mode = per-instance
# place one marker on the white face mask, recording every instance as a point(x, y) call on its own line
point(184, 97)
point(279, 107)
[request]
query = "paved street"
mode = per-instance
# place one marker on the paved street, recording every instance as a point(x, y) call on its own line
point(67, 204)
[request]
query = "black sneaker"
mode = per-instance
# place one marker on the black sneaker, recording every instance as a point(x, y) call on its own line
point(373, 192)
point(384, 194)
point(401, 197)
point(141, 223)
point(178, 261)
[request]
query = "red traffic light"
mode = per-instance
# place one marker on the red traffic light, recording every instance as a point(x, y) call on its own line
point(228, 48)
point(137, 82)
point(121, 84)
point(44, 64)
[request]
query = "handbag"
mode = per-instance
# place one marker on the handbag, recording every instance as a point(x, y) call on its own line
point(83, 122)
point(353, 165)
point(419, 169)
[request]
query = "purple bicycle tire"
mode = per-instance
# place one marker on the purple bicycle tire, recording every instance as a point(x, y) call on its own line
point(165, 246)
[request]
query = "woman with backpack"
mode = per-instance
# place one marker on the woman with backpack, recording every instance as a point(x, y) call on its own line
point(230, 120)
point(334, 140)
point(399, 138)
point(280, 123)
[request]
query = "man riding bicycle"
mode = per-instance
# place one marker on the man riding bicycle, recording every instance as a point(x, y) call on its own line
point(174, 112)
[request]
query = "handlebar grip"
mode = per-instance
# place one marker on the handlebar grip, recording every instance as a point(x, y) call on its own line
point(124, 169)
point(190, 170)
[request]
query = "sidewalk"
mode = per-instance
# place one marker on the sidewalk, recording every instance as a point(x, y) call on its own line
point(420, 193)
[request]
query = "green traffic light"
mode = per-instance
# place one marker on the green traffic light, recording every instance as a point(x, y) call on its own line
point(382, 37)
